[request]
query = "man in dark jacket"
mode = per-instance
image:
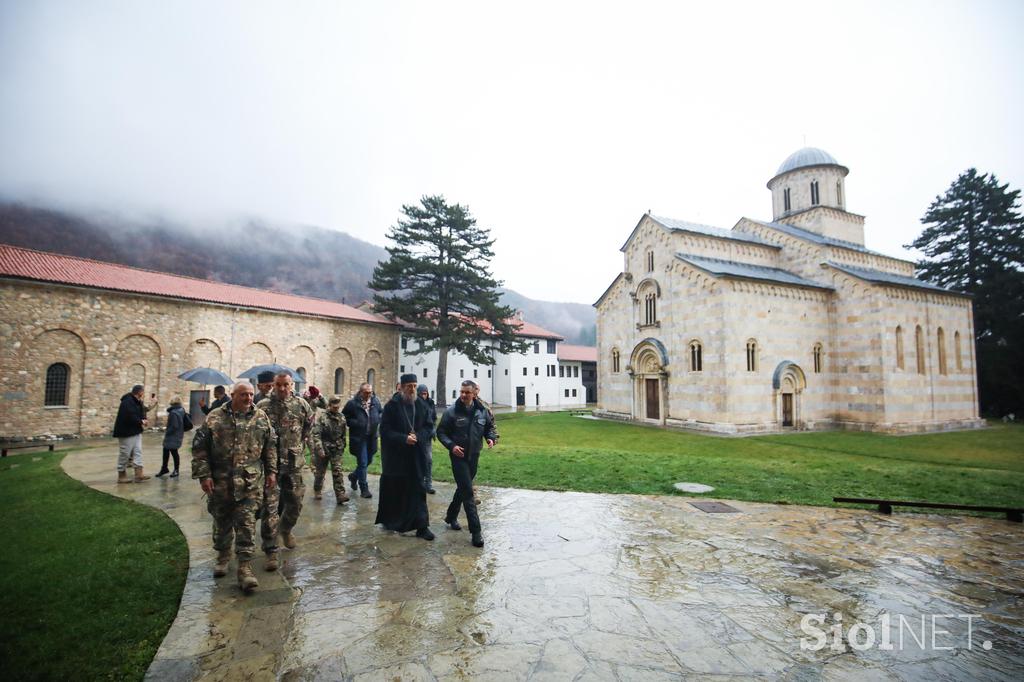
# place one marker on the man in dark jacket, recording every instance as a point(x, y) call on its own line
point(463, 429)
point(423, 392)
point(219, 398)
point(405, 427)
point(128, 428)
point(362, 414)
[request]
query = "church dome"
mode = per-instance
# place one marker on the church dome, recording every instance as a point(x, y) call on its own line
point(808, 156)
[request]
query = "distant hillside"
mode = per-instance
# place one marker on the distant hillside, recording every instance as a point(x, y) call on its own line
point(304, 260)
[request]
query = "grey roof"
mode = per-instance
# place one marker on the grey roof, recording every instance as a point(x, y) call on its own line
point(728, 268)
point(808, 156)
point(880, 277)
point(684, 226)
point(801, 233)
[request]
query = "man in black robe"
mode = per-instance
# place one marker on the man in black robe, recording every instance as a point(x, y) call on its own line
point(406, 427)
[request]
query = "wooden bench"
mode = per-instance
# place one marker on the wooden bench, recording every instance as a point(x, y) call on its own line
point(19, 446)
point(1015, 514)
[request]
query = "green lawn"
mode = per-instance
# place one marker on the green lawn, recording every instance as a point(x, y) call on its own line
point(90, 583)
point(555, 451)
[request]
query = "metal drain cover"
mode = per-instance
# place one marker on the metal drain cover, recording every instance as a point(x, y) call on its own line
point(715, 507)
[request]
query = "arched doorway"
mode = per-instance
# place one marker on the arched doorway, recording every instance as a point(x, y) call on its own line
point(788, 384)
point(650, 381)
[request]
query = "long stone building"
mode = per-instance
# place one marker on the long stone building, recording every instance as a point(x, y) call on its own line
point(783, 324)
point(76, 334)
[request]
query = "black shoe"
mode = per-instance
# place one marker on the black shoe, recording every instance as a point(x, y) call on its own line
point(425, 534)
point(174, 474)
point(431, 491)
point(352, 481)
point(161, 473)
point(453, 524)
point(366, 493)
point(478, 540)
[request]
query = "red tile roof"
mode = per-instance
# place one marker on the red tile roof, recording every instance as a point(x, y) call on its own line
point(577, 353)
point(40, 266)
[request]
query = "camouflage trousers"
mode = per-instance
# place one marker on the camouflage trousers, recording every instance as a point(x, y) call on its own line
point(281, 509)
point(337, 475)
point(234, 519)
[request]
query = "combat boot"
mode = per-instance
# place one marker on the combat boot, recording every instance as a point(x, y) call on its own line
point(140, 475)
point(220, 569)
point(122, 477)
point(271, 564)
point(288, 539)
point(342, 497)
point(246, 580)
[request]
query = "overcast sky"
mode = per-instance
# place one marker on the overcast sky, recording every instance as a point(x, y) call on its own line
point(559, 124)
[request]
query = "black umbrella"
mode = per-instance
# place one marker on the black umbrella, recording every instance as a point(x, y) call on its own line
point(205, 375)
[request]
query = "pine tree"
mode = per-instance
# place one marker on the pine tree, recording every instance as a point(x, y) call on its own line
point(437, 280)
point(973, 242)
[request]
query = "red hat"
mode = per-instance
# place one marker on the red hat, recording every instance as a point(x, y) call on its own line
point(313, 391)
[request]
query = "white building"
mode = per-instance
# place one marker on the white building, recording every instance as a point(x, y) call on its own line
point(576, 369)
point(527, 379)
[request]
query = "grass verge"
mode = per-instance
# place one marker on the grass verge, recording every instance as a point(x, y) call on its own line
point(555, 451)
point(90, 583)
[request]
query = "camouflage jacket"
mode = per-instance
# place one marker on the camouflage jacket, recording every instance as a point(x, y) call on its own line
point(317, 403)
point(235, 450)
point(328, 434)
point(292, 419)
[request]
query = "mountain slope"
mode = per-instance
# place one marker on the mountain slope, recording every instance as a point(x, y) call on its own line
point(305, 260)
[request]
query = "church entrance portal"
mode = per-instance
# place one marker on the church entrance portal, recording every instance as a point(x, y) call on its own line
point(651, 387)
point(787, 409)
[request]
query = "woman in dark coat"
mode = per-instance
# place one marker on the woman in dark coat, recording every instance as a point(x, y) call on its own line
point(176, 422)
point(403, 491)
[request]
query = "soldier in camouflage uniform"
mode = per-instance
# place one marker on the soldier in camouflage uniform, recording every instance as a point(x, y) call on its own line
point(291, 418)
point(328, 448)
point(231, 452)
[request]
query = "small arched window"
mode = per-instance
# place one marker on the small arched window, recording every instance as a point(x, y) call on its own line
point(696, 357)
point(57, 383)
point(650, 308)
point(786, 203)
point(817, 358)
point(940, 338)
point(815, 197)
point(956, 350)
point(370, 375)
point(919, 349)
point(615, 360)
point(751, 355)
point(339, 381)
point(839, 193)
point(650, 261)
point(899, 348)
point(301, 381)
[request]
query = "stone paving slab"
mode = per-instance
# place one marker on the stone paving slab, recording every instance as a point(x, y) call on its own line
point(577, 586)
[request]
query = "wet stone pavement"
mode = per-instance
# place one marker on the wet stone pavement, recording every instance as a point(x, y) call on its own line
point(575, 586)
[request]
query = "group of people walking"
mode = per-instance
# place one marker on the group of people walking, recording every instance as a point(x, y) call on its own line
point(249, 455)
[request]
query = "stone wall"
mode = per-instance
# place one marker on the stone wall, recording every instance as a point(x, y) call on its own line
point(112, 340)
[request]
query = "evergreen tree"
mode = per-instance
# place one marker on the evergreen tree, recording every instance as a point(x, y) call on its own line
point(437, 280)
point(973, 242)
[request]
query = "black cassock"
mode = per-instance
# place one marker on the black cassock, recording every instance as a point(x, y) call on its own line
point(402, 503)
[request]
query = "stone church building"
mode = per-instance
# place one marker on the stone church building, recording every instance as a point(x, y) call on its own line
point(783, 324)
point(76, 334)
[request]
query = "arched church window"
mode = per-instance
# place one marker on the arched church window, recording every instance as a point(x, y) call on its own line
point(56, 393)
point(751, 355)
point(339, 381)
point(839, 193)
point(817, 358)
point(650, 308)
point(370, 376)
point(300, 381)
point(899, 348)
point(919, 349)
point(696, 357)
point(940, 338)
point(650, 261)
point(615, 360)
point(786, 203)
point(956, 350)
point(814, 193)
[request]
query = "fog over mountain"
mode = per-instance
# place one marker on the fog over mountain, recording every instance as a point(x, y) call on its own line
point(295, 259)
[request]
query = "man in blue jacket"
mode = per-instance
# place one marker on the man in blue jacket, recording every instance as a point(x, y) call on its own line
point(464, 428)
point(362, 414)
